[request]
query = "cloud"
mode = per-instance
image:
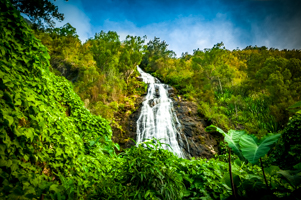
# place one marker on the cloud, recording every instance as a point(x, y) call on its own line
point(196, 24)
point(274, 23)
point(183, 34)
point(75, 15)
point(190, 33)
point(278, 31)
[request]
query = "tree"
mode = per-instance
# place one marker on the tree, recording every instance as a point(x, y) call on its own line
point(156, 50)
point(66, 30)
point(212, 66)
point(131, 55)
point(65, 49)
point(105, 48)
point(40, 12)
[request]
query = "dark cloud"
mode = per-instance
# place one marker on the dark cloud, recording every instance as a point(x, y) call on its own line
point(273, 23)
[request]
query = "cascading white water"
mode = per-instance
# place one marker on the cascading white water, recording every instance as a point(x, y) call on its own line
point(157, 118)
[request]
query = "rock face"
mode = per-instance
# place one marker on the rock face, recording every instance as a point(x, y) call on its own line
point(128, 129)
point(194, 140)
point(200, 143)
point(65, 69)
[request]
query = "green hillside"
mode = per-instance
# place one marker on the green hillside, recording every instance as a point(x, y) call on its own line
point(48, 137)
point(59, 99)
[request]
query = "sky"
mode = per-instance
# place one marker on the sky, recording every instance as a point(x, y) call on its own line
point(190, 24)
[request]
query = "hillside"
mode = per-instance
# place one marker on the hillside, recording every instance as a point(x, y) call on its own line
point(61, 99)
point(48, 137)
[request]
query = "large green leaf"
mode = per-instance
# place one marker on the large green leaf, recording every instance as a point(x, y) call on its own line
point(253, 149)
point(212, 128)
point(232, 138)
point(293, 176)
point(296, 105)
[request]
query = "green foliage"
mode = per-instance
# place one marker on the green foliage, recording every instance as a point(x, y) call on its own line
point(66, 52)
point(287, 152)
point(66, 30)
point(105, 47)
point(293, 176)
point(241, 89)
point(52, 147)
point(131, 55)
point(39, 11)
point(102, 70)
point(203, 179)
point(143, 173)
point(156, 55)
point(296, 107)
point(247, 180)
point(50, 144)
point(233, 138)
point(252, 148)
point(151, 172)
point(248, 183)
point(247, 146)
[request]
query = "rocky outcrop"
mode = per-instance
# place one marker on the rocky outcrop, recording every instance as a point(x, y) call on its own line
point(126, 128)
point(65, 69)
point(200, 143)
point(194, 140)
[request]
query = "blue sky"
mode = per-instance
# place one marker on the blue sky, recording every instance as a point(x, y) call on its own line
point(190, 24)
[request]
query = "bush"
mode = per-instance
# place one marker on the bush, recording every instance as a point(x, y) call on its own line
point(144, 173)
point(51, 146)
point(287, 153)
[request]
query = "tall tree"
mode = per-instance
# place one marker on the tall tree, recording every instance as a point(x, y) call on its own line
point(155, 50)
point(40, 12)
point(131, 55)
point(105, 48)
point(212, 65)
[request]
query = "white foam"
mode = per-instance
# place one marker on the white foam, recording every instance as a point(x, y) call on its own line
point(157, 118)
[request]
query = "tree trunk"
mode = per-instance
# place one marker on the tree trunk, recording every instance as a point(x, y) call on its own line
point(235, 108)
point(128, 76)
point(220, 84)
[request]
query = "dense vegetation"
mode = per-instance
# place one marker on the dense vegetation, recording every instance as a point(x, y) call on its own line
point(250, 88)
point(47, 135)
point(55, 139)
point(256, 89)
point(103, 69)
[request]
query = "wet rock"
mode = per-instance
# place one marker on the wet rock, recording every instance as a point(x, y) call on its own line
point(188, 130)
point(193, 139)
point(139, 79)
point(201, 143)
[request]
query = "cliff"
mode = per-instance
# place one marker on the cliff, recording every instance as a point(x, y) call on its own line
point(200, 143)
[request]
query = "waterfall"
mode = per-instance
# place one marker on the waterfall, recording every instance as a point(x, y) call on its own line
point(157, 118)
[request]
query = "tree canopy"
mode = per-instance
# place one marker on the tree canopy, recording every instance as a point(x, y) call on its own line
point(40, 12)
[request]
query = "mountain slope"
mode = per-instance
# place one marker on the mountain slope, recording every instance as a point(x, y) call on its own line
point(49, 142)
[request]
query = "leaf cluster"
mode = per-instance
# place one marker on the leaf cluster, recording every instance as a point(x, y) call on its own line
point(50, 144)
point(39, 11)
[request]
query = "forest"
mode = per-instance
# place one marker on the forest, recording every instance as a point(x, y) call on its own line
point(61, 98)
